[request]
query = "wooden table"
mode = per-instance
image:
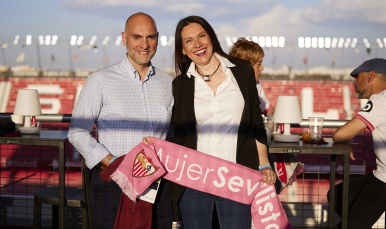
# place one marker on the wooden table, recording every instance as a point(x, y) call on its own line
point(47, 138)
point(332, 149)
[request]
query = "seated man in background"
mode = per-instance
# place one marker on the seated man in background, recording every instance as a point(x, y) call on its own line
point(367, 194)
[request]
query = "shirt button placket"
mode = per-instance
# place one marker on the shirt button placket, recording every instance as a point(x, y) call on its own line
point(147, 110)
point(215, 124)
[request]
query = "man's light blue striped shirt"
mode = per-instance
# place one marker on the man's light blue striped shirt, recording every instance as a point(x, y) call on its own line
point(124, 109)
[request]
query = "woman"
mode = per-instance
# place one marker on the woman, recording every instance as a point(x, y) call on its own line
point(252, 52)
point(216, 112)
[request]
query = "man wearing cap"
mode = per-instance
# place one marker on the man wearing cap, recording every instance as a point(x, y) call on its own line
point(367, 194)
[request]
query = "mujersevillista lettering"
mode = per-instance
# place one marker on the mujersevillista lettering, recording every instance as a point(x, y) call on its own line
point(180, 171)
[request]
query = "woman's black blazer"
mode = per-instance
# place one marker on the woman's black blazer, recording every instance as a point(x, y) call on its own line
point(251, 124)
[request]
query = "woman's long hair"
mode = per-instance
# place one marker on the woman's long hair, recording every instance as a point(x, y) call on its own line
point(182, 62)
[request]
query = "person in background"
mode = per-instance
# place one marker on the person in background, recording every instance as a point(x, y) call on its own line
point(126, 101)
point(252, 52)
point(216, 112)
point(367, 199)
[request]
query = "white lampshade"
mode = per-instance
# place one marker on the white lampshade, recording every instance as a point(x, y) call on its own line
point(287, 111)
point(27, 105)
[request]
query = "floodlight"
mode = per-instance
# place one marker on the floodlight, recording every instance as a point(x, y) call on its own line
point(262, 41)
point(248, 38)
point(314, 42)
point(47, 40)
point(268, 42)
point(281, 42)
point(275, 41)
point(384, 41)
point(354, 42)
point(255, 39)
point(54, 39)
point(164, 40)
point(41, 40)
point(93, 39)
point(367, 44)
point(301, 42)
point(104, 42)
point(321, 42)
point(16, 40)
point(170, 41)
point(379, 43)
point(327, 42)
point(80, 40)
point(307, 42)
point(341, 42)
point(234, 39)
point(73, 40)
point(229, 41)
point(334, 42)
point(118, 41)
point(347, 43)
point(28, 40)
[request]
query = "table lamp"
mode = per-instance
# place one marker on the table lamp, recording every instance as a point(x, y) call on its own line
point(287, 111)
point(27, 104)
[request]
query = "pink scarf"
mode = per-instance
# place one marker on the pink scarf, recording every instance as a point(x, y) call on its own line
point(204, 173)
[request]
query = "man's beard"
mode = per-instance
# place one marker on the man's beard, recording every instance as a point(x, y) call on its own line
point(359, 95)
point(131, 53)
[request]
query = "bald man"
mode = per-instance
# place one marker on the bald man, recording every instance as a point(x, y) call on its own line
point(367, 199)
point(127, 101)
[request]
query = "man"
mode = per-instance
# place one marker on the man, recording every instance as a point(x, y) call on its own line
point(127, 101)
point(367, 194)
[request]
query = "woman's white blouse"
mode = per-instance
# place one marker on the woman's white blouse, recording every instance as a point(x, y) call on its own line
point(218, 115)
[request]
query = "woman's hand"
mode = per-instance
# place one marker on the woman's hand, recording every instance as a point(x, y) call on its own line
point(269, 176)
point(147, 140)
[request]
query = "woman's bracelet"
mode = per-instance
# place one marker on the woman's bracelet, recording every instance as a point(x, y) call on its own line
point(264, 166)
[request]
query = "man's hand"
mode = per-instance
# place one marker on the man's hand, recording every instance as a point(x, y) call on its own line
point(147, 140)
point(341, 157)
point(269, 176)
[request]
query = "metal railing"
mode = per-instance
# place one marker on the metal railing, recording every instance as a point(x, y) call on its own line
point(327, 123)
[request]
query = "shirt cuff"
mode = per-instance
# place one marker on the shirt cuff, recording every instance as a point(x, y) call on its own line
point(365, 121)
point(96, 155)
point(268, 109)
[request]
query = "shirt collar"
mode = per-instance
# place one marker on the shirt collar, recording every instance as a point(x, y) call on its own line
point(225, 65)
point(133, 73)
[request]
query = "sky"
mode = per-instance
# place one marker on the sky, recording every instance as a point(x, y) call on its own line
point(290, 19)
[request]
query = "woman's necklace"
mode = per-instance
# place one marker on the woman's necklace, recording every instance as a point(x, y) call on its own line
point(207, 77)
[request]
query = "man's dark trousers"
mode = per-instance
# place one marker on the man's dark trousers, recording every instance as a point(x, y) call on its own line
point(366, 201)
point(106, 197)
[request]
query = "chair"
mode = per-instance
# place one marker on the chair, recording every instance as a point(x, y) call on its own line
point(74, 197)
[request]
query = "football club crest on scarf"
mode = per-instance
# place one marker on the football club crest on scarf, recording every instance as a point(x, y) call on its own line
point(143, 165)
